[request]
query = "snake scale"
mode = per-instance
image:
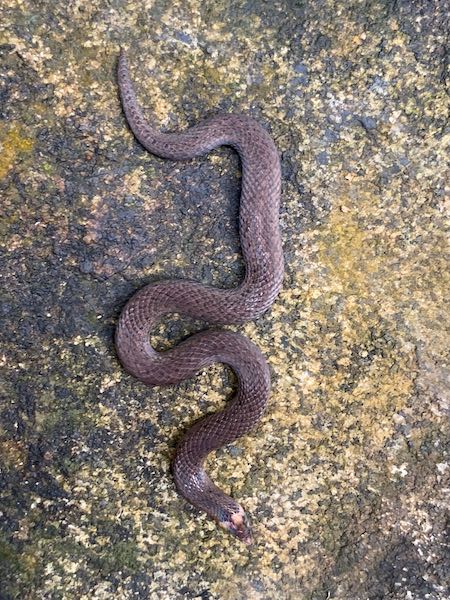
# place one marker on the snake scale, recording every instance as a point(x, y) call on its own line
point(262, 252)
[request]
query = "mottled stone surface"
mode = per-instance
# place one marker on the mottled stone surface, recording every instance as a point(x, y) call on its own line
point(346, 476)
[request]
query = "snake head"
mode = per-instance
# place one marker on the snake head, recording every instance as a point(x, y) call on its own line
point(236, 523)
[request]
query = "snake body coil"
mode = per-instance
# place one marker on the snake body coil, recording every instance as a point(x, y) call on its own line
point(261, 248)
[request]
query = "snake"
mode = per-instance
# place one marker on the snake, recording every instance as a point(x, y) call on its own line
point(260, 240)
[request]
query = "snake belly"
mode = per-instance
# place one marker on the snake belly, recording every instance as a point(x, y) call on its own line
point(262, 252)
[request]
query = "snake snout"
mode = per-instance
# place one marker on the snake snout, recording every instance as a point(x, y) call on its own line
point(238, 526)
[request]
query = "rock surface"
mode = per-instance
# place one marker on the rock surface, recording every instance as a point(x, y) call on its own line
point(345, 477)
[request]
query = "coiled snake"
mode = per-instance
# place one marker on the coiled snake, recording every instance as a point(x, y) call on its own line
point(261, 248)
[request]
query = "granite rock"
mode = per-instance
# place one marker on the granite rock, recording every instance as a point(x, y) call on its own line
point(345, 477)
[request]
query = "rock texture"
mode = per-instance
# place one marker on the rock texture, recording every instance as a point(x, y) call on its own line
point(347, 474)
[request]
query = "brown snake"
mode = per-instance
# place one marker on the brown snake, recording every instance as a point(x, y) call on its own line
point(261, 248)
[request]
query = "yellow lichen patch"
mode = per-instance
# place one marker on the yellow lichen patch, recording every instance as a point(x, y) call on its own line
point(107, 418)
point(12, 454)
point(14, 145)
point(381, 394)
point(132, 181)
point(345, 251)
point(110, 380)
